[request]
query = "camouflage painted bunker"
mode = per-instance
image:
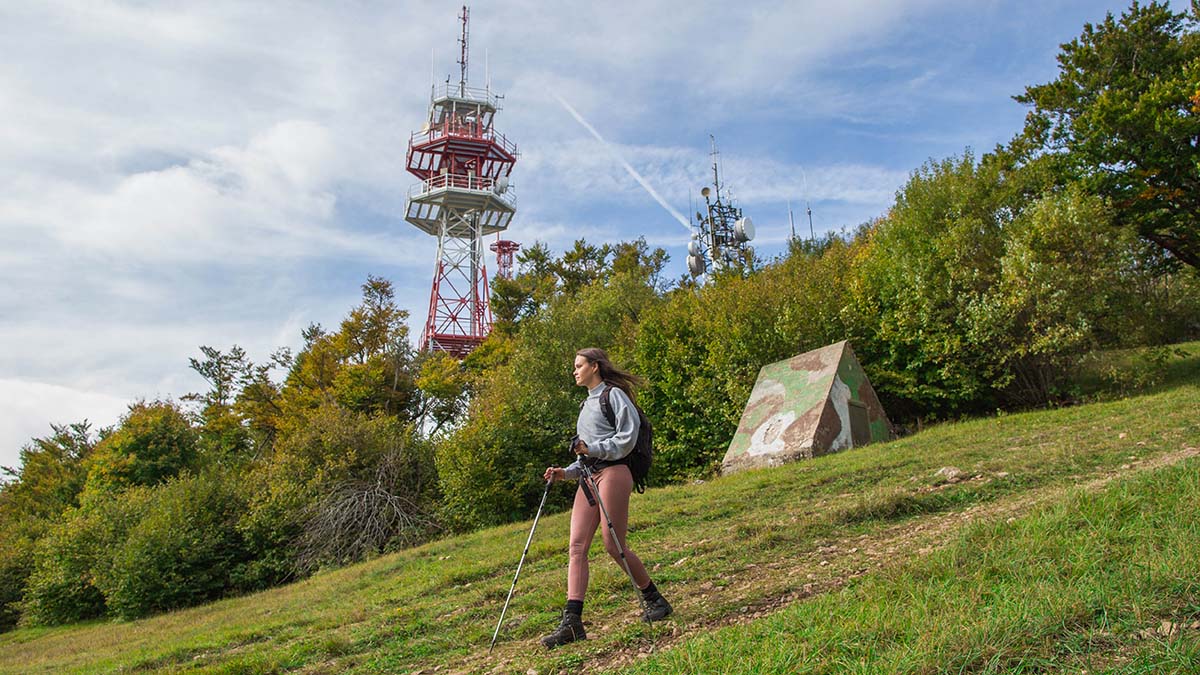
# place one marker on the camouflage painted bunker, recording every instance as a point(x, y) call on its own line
point(812, 404)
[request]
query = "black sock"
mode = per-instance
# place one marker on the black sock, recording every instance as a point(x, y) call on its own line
point(575, 607)
point(650, 592)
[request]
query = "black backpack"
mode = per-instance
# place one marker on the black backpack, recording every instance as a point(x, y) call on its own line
point(642, 455)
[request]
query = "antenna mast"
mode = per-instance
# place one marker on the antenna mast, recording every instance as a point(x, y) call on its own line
point(716, 175)
point(722, 240)
point(465, 17)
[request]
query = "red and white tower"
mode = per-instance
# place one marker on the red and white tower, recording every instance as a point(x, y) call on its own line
point(464, 194)
point(504, 250)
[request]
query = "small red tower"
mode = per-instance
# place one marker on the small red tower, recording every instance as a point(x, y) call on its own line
point(464, 194)
point(504, 250)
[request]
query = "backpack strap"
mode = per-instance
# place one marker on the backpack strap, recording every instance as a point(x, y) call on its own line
point(606, 407)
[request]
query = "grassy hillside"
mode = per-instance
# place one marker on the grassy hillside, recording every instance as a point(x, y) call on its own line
point(1063, 539)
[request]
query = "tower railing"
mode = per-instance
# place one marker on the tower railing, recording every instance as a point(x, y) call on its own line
point(470, 130)
point(472, 94)
point(462, 181)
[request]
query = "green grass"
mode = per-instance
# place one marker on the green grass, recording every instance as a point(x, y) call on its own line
point(1071, 588)
point(879, 564)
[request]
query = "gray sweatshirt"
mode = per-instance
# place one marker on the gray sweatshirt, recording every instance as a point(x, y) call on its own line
point(604, 441)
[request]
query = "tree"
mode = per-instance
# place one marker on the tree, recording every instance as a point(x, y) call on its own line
point(223, 373)
point(1123, 117)
point(366, 366)
point(51, 474)
point(154, 442)
point(444, 387)
point(222, 433)
point(636, 258)
point(581, 265)
point(46, 484)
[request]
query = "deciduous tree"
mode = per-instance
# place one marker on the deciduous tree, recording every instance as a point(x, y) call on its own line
point(1123, 116)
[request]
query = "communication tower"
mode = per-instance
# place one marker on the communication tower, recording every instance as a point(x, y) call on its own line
point(723, 234)
point(464, 167)
point(504, 250)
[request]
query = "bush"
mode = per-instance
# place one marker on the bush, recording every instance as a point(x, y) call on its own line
point(329, 455)
point(183, 551)
point(386, 507)
point(76, 554)
point(16, 564)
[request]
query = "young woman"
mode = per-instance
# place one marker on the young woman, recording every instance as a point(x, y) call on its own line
point(604, 448)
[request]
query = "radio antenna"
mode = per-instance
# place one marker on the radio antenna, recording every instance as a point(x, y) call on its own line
point(464, 40)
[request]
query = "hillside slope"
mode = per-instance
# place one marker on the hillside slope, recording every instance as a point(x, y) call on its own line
point(731, 551)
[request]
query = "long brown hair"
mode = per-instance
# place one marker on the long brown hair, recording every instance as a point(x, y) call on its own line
point(625, 381)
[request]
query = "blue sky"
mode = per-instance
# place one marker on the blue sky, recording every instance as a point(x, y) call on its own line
point(216, 173)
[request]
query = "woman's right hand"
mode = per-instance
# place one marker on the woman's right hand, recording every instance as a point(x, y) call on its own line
point(553, 473)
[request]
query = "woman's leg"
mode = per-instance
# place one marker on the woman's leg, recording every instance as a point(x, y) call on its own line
point(584, 519)
point(616, 483)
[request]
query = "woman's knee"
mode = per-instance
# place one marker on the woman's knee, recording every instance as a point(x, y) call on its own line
point(578, 549)
point(612, 548)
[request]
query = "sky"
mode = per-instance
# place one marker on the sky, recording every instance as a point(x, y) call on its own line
point(178, 174)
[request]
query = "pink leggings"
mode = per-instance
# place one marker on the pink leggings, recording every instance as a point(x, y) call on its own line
point(616, 483)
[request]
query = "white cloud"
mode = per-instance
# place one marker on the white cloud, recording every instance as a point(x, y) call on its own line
point(26, 404)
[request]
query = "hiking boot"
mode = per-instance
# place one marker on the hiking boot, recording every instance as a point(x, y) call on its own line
point(657, 609)
point(570, 630)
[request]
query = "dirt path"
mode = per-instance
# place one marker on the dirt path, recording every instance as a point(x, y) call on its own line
point(758, 590)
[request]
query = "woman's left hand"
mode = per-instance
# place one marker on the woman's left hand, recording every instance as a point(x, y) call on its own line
point(580, 448)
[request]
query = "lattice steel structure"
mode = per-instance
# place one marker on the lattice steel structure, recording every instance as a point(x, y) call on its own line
point(464, 167)
point(504, 251)
point(723, 234)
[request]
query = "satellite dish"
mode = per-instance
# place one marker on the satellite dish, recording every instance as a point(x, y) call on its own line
point(695, 265)
point(501, 185)
point(694, 248)
point(425, 128)
point(743, 229)
point(705, 192)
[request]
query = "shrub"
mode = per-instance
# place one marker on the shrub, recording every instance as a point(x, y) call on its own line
point(16, 564)
point(183, 551)
point(73, 557)
point(320, 461)
point(388, 506)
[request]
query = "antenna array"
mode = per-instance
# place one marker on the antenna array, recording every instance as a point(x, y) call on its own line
point(723, 233)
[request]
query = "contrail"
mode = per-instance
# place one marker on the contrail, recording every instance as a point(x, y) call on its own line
point(628, 167)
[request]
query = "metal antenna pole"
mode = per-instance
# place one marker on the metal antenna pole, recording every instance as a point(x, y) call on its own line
point(715, 249)
point(462, 83)
point(791, 220)
point(519, 565)
point(716, 176)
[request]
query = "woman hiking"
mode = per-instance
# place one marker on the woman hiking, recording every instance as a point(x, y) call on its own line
point(604, 448)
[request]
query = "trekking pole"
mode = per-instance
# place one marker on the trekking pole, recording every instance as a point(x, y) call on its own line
point(594, 488)
point(522, 562)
